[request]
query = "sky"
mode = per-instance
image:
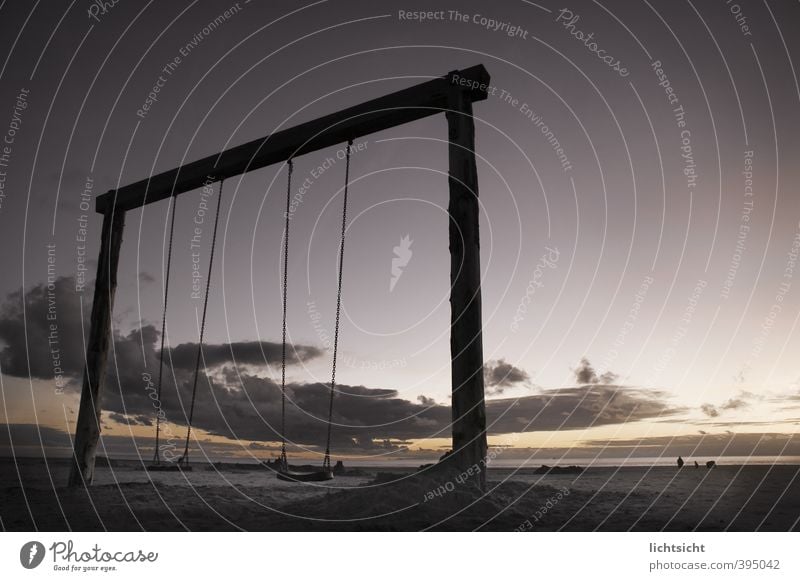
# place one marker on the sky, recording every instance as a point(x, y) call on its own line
point(640, 226)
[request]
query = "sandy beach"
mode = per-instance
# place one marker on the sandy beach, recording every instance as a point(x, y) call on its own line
point(248, 497)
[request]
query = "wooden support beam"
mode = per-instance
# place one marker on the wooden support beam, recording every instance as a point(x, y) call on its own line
point(466, 338)
point(87, 431)
point(422, 100)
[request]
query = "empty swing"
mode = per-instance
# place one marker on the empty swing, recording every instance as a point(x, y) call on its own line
point(183, 462)
point(325, 473)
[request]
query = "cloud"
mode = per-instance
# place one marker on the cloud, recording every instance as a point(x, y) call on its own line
point(32, 440)
point(30, 437)
point(256, 353)
point(579, 408)
point(585, 374)
point(132, 420)
point(740, 423)
point(735, 403)
point(247, 407)
point(28, 339)
point(705, 445)
point(24, 319)
point(499, 375)
point(235, 402)
point(260, 446)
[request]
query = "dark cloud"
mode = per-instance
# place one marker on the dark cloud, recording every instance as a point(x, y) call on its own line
point(234, 401)
point(25, 321)
point(579, 407)
point(585, 374)
point(243, 406)
point(32, 440)
point(499, 375)
point(28, 339)
point(241, 353)
point(22, 438)
point(786, 400)
point(261, 446)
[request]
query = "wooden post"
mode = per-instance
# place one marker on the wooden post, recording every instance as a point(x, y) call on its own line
point(466, 341)
point(87, 432)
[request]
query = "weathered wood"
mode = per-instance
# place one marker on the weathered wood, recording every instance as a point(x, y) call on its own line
point(87, 431)
point(423, 100)
point(453, 94)
point(466, 340)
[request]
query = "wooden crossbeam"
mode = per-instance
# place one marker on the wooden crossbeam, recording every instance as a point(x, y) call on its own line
point(417, 102)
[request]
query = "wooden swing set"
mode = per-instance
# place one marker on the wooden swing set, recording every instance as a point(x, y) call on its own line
point(453, 95)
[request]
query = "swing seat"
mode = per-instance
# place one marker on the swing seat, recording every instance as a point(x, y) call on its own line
point(298, 476)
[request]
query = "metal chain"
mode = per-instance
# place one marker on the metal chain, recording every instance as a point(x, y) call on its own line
point(185, 458)
point(283, 460)
point(156, 452)
point(326, 463)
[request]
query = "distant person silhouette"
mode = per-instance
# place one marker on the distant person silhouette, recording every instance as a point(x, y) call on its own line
point(696, 465)
point(680, 462)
